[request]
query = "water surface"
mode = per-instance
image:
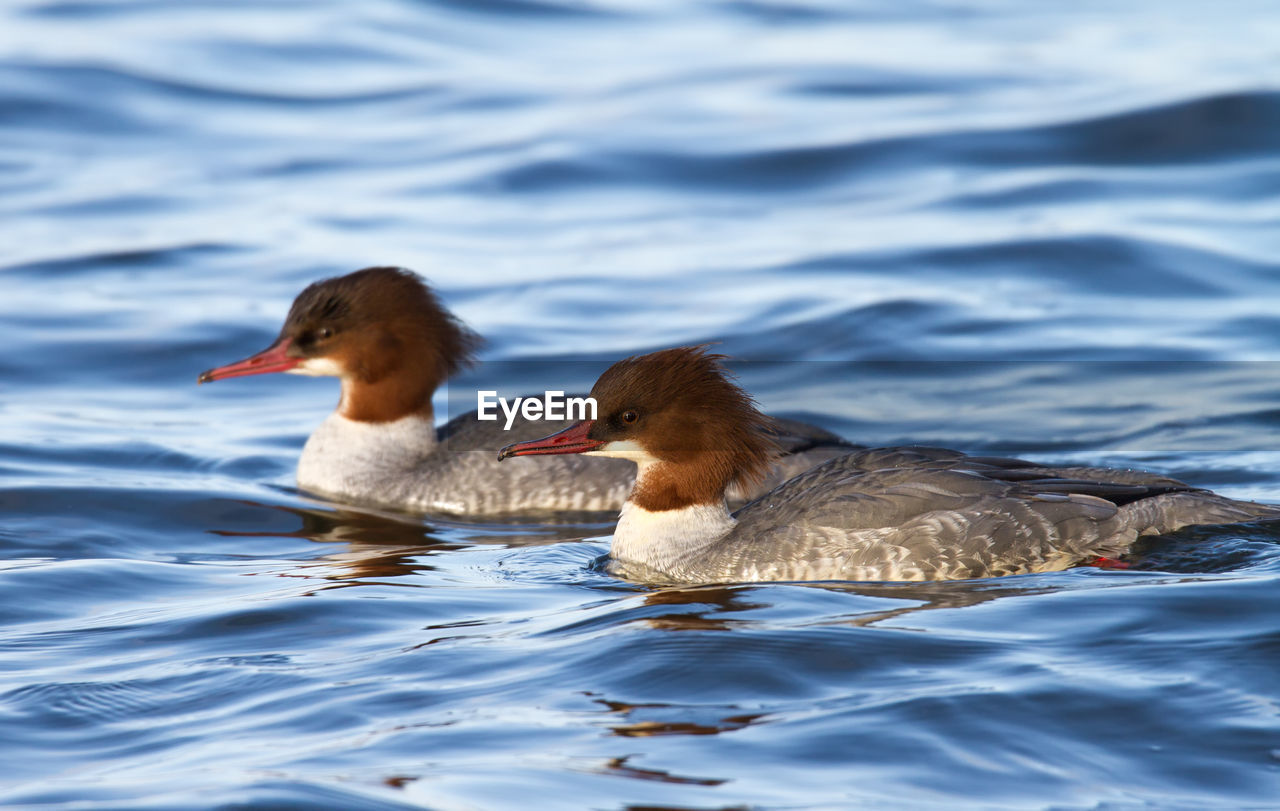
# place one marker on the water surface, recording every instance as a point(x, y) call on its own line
point(1043, 229)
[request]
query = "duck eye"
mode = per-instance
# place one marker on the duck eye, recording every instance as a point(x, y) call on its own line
point(630, 416)
point(324, 332)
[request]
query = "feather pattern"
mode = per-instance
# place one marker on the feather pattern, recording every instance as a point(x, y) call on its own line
point(915, 513)
point(410, 464)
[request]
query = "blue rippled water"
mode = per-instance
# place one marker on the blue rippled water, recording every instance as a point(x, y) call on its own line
point(1042, 228)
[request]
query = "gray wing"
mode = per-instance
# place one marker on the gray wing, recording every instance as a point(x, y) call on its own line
point(841, 522)
point(942, 515)
point(1005, 468)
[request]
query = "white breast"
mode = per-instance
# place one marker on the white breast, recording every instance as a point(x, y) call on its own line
point(661, 540)
point(364, 460)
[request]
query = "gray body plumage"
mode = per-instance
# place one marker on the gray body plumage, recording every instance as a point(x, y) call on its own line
point(455, 470)
point(916, 513)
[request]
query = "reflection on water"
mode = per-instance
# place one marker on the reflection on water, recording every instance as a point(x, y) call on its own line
point(645, 719)
point(382, 544)
point(619, 767)
point(715, 600)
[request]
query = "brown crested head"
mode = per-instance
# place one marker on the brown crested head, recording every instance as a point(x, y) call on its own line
point(385, 332)
point(683, 408)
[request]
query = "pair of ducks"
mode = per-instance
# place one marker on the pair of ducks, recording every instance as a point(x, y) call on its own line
point(819, 508)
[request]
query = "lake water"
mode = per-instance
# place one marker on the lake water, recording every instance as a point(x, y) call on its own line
point(1050, 229)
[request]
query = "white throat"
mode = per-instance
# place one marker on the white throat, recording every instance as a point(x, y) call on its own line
point(318, 367)
point(666, 540)
point(325, 367)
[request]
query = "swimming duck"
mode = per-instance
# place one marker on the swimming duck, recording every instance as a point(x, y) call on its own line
point(903, 513)
point(386, 335)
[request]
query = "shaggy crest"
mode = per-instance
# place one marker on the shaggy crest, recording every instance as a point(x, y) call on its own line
point(396, 297)
point(685, 408)
point(389, 332)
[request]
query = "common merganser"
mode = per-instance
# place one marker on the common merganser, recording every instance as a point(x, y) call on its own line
point(389, 339)
point(907, 513)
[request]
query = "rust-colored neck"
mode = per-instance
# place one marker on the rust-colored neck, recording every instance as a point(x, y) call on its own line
point(387, 400)
point(665, 486)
